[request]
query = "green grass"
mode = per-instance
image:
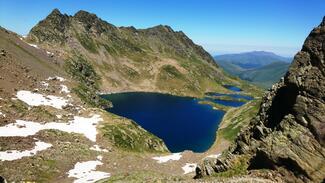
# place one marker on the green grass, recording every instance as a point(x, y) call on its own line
point(131, 137)
point(41, 113)
point(18, 106)
point(110, 49)
point(143, 176)
point(237, 122)
point(81, 70)
point(215, 105)
point(129, 73)
point(48, 170)
point(230, 132)
point(239, 167)
point(87, 42)
point(171, 71)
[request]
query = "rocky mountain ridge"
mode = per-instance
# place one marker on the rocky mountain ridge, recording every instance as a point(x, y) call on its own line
point(286, 139)
point(128, 59)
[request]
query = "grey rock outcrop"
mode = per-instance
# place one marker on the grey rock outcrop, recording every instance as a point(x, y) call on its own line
point(288, 134)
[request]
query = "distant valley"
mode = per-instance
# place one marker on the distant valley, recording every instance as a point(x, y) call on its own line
point(259, 67)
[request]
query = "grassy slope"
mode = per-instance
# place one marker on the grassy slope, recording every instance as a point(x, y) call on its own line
point(234, 120)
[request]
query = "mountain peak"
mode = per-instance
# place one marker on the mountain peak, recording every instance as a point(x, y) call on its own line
point(55, 15)
point(164, 28)
point(55, 12)
point(50, 29)
point(82, 15)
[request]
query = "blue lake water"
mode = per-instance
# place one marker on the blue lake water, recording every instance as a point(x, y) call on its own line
point(181, 122)
point(232, 88)
point(231, 103)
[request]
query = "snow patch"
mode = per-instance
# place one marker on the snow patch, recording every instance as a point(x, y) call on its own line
point(64, 89)
point(214, 156)
point(81, 125)
point(86, 172)
point(45, 84)
point(36, 99)
point(97, 148)
point(2, 114)
point(50, 53)
point(33, 45)
point(11, 155)
point(164, 159)
point(189, 167)
point(100, 157)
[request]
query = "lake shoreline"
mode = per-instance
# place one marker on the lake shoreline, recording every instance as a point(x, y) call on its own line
point(157, 112)
point(197, 99)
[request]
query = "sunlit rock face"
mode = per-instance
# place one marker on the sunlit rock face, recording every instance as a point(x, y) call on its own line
point(287, 135)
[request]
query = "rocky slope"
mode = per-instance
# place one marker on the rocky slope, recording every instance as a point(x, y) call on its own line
point(46, 129)
point(128, 59)
point(51, 122)
point(286, 139)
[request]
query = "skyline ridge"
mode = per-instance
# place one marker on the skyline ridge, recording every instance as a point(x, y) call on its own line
point(279, 27)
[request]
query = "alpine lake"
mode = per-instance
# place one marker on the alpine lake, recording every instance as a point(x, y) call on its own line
point(181, 122)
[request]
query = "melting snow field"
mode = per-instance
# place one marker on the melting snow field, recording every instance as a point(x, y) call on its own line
point(33, 45)
point(164, 159)
point(86, 172)
point(189, 167)
point(64, 89)
point(85, 126)
point(14, 154)
point(213, 156)
point(36, 99)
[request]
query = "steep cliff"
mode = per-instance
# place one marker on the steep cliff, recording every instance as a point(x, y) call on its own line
point(287, 137)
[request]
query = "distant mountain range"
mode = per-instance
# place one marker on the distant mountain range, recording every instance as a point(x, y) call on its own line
point(259, 67)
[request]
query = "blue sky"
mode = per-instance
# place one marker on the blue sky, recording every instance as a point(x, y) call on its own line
point(220, 26)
